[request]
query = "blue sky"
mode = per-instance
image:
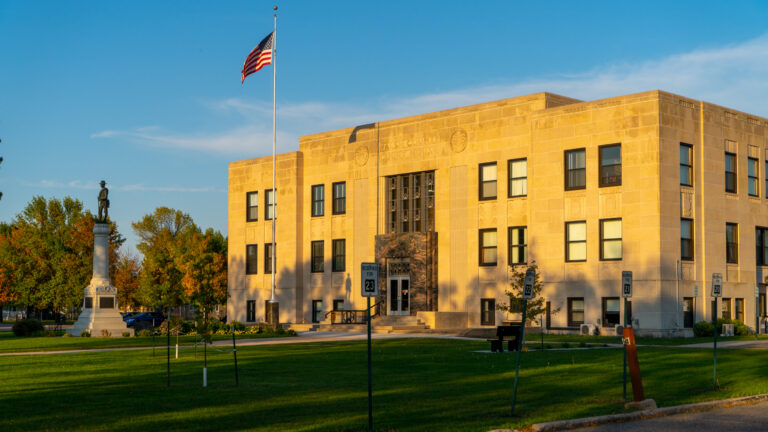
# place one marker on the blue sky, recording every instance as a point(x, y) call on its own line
point(147, 94)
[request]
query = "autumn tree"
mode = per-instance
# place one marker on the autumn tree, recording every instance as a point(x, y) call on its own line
point(536, 305)
point(125, 276)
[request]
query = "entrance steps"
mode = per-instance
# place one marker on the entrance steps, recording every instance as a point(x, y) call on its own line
point(385, 324)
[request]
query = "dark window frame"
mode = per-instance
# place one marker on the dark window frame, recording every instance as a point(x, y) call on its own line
point(511, 179)
point(606, 312)
point(568, 241)
point(250, 311)
point(753, 179)
point(571, 321)
point(316, 318)
point(249, 207)
point(726, 308)
point(523, 246)
point(251, 267)
point(267, 205)
point(481, 247)
point(268, 255)
point(336, 303)
point(761, 243)
point(487, 311)
point(602, 167)
point(732, 247)
point(603, 240)
point(339, 261)
point(691, 240)
point(482, 182)
point(318, 205)
point(688, 166)
point(317, 252)
point(738, 312)
point(732, 175)
point(339, 201)
point(567, 170)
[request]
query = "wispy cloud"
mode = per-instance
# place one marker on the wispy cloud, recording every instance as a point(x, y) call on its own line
point(79, 184)
point(732, 75)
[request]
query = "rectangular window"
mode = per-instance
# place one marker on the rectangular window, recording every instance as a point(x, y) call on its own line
point(411, 202)
point(89, 302)
point(766, 179)
point(339, 255)
point(488, 247)
point(686, 239)
point(317, 310)
point(250, 311)
point(610, 239)
point(686, 164)
point(611, 311)
point(575, 169)
point(610, 165)
point(518, 178)
point(753, 177)
point(576, 241)
point(338, 304)
point(518, 245)
point(318, 200)
point(317, 256)
point(740, 309)
point(575, 311)
point(761, 301)
point(688, 308)
point(268, 258)
point(726, 308)
point(251, 259)
point(488, 181)
point(730, 172)
point(732, 243)
point(761, 237)
point(106, 302)
point(252, 206)
point(487, 312)
point(339, 198)
point(269, 204)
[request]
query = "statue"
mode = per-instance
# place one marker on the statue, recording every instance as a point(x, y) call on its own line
point(103, 202)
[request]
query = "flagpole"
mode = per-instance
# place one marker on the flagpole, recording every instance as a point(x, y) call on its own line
point(272, 299)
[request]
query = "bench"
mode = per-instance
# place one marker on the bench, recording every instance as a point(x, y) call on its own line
point(510, 333)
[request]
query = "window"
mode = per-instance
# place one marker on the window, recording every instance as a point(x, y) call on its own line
point(317, 256)
point(730, 172)
point(688, 308)
point(487, 312)
point(761, 237)
point(686, 239)
point(269, 204)
point(268, 258)
point(488, 181)
point(732, 243)
point(518, 178)
point(761, 301)
point(610, 239)
point(317, 310)
point(338, 304)
point(411, 202)
point(726, 308)
point(318, 200)
point(339, 198)
point(252, 206)
point(251, 259)
point(106, 302)
point(488, 247)
point(752, 177)
point(575, 169)
point(686, 164)
point(740, 309)
point(575, 311)
point(611, 311)
point(576, 241)
point(339, 255)
point(518, 245)
point(610, 165)
point(89, 303)
point(766, 179)
point(250, 311)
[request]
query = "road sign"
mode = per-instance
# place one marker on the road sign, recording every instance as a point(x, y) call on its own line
point(626, 284)
point(695, 290)
point(717, 285)
point(369, 276)
point(530, 280)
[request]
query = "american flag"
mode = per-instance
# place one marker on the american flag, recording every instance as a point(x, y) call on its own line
point(260, 56)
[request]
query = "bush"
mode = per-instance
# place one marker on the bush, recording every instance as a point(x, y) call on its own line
point(238, 326)
point(144, 333)
point(126, 334)
point(85, 333)
point(703, 329)
point(27, 327)
point(66, 335)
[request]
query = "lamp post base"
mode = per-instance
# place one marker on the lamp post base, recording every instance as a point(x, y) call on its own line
point(272, 313)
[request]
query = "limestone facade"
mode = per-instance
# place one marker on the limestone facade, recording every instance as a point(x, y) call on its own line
point(586, 217)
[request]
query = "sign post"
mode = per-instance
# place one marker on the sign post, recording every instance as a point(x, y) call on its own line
point(626, 292)
point(757, 311)
point(369, 277)
point(717, 291)
point(530, 281)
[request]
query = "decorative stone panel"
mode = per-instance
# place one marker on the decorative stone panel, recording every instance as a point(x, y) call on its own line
point(414, 254)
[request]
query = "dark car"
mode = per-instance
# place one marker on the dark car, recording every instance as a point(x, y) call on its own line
point(145, 320)
point(127, 315)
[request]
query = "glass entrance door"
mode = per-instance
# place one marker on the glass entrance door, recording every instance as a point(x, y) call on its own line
point(399, 295)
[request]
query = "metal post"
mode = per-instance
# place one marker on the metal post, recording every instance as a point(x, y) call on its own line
point(519, 350)
point(370, 383)
point(234, 352)
point(541, 328)
point(757, 312)
point(168, 344)
point(626, 324)
point(714, 347)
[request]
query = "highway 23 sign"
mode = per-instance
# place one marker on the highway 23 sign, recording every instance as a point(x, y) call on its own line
point(369, 278)
point(717, 285)
point(530, 280)
point(626, 284)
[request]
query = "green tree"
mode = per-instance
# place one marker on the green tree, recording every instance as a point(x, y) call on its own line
point(536, 306)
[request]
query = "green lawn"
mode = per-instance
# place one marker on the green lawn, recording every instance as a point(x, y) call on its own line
point(419, 384)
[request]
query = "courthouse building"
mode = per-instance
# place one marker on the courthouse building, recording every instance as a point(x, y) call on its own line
point(670, 188)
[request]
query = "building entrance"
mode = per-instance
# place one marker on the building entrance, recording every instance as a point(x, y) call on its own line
point(399, 293)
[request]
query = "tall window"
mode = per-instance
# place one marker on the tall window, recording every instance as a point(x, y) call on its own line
point(761, 237)
point(250, 311)
point(317, 310)
point(575, 311)
point(318, 200)
point(488, 245)
point(251, 206)
point(339, 198)
point(739, 309)
point(518, 178)
point(488, 181)
point(686, 164)
point(611, 311)
point(732, 243)
point(339, 255)
point(576, 241)
point(251, 259)
point(575, 169)
point(752, 177)
point(726, 308)
point(269, 204)
point(518, 245)
point(610, 165)
point(686, 239)
point(730, 172)
point(411, 202)
point(317, 256)
point(268, 258)
point(487, 312)
point(766, 179)
point(610, 239)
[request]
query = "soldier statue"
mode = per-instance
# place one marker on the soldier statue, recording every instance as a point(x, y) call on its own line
point(103, 202)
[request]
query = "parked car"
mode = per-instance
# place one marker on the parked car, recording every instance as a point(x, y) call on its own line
point(127, 315)
point(145, 320)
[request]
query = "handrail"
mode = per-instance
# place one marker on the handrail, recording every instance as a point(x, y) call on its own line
point(353, 316)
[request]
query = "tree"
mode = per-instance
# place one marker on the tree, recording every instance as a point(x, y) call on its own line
point(536, 305)
point(204, 266)
point(125, 277)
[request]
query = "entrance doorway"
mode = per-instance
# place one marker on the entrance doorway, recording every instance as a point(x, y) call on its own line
point(399, 293)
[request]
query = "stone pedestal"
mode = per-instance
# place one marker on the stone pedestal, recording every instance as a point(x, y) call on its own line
point(100, 314)
point(272, 313)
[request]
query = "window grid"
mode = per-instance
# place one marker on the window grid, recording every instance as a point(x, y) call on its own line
point(610, 239)
point(339, 255)
point(488, 245)
point(269, 204)
point(610, 165)
point(487, 312)
point(575, 311)
point(268, 258)
point(686, 239)
point(250, 311)
point(761, 237)
point(518, 178)
point(251, 206)
point(686, 164)
point(411, 202)
point(753, 177)
point(251, 259)
point(575, 169)
point(339, 198)
point(576, 241)
point(739, 309)
point(518, 245)
point(488, 175)
point(317, 256)
point(730, 172)
point(611, 311)
point(732, 243)
point(318, 200)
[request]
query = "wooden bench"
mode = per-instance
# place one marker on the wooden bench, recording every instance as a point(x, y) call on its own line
point(510, 333)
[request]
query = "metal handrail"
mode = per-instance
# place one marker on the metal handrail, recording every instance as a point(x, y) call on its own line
point(353, 316)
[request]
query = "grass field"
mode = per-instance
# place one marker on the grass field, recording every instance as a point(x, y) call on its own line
point(419, 385)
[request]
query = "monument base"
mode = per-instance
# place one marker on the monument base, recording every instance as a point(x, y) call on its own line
point(272, 313)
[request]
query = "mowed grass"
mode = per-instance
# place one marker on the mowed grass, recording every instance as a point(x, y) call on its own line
point(419, 385)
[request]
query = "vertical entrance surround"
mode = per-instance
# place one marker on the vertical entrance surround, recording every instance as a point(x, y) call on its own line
point(414, 257)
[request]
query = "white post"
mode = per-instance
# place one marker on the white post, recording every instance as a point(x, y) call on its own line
point(205, 377)
point(274, 147)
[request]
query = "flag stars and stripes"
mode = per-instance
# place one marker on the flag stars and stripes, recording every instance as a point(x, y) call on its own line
point(259, 57)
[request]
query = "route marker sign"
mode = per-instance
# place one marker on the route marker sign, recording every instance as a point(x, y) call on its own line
point(626, 284)
point(530, 280)
point(369, 277)
point(717, 285)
